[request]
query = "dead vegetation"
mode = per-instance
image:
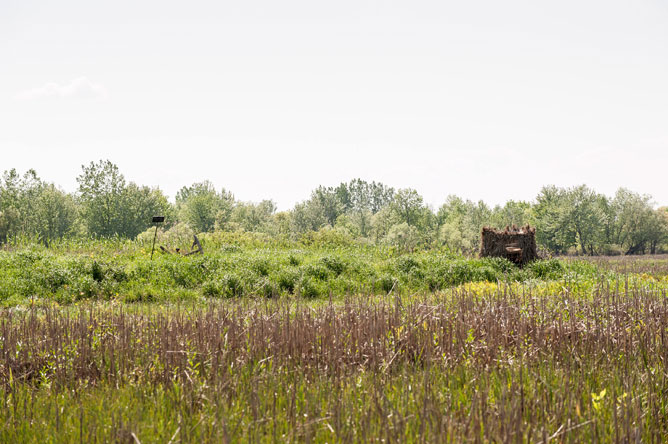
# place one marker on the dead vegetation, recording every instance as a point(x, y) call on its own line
point(502, 365)
point(518, 245)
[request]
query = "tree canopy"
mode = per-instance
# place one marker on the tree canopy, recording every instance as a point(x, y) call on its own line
point(575, 220)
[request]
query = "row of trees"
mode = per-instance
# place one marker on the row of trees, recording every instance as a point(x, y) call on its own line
point(568, 220)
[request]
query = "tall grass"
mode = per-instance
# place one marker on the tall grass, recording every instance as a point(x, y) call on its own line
point(655, 265)
point(503, 364)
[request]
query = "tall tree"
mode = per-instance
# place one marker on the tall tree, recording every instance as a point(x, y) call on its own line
point(101, 187)
point(29, 206)
point(253, 216)
point(204, 209)
point(138, 205)
point(553, 229)
point(408, 206)
point(638, 227)
point(111, 207)
point(513, 213)
point(363, 200)
point(56, 213)
point(460, 223)
point(328, 202)
point(586, 213)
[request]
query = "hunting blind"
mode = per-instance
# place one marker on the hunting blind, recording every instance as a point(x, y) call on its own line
point(518, 245)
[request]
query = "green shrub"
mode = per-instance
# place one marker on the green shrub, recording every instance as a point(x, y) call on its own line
point(386, 283)
point(487, 273)
point(286, 280)
point(334, 264)
point(141, 293)
point(308, 288)
point(406, 264)
point(264, 287)
point(248, 269)
point(458, 273)
point(316, 271)
point(294, 259)
point(499, 264)
point(96, 272)
point(228, 286)
point(261, 266)
point(546, 269)
point(231, 286)
point(57, 277)
point(434, 281)
point(85, 287)
point(211, 289)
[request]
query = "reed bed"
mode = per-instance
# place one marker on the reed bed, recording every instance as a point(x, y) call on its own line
point(503, 365)
point(654, 265)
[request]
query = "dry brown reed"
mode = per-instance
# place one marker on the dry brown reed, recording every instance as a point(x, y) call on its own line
point(654, 265)
point(517, 244)
point(552, 355)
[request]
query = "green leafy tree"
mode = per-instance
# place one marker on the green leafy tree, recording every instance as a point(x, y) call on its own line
point(460, 222)
point(253, 216)
point(348, 225)
point(638, 227)
point(658, 233)
point(204, 209)
point(17, 202)
point(101, 187)
point(586, 213)
point(327, 202)
point(662, 244)
point(138, 205)
point(29, 206)
point(281, 224)
point(553, 229)
point(360, 195)
point(408, 206)
point(381, 222)
point(512, 213)
point(110, 207)
point(404, 237)
point(358, 199)
point(56, 213)
point(306, 217)
point(322, 209)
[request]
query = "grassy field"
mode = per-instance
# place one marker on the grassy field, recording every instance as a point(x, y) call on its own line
point(243, 267)
point(260, 342)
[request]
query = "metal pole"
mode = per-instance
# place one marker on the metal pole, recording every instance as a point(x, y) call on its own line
point(154, 237)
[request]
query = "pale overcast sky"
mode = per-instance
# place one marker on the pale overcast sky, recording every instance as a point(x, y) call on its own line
point(484, 99)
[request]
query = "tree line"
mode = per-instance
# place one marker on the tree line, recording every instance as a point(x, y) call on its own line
point(575, 220)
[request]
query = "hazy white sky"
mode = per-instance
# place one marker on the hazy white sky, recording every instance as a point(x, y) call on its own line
point(484, 99)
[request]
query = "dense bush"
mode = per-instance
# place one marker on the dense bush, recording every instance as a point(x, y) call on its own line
point(547, 269)
point(101, 272)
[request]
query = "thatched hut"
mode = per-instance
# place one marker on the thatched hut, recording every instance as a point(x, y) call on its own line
point(518, 245)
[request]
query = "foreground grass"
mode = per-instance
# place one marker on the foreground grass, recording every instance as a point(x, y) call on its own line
point(482, 362)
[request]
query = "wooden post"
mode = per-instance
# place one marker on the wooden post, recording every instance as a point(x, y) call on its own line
point(154, 238)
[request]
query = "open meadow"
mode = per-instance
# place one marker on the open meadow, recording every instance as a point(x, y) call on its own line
point(260, 341)
point(344, 222)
